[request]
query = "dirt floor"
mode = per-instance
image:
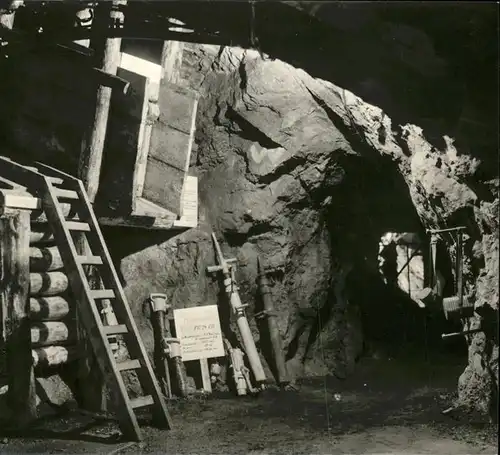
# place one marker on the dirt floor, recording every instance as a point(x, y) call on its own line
point(388, 407)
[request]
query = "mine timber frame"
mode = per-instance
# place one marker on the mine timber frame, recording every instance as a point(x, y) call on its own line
point(145, 214)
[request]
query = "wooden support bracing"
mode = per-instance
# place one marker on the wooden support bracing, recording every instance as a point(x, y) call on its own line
point(88, 307)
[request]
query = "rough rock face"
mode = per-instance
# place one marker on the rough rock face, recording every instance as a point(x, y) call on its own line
point(308, 177)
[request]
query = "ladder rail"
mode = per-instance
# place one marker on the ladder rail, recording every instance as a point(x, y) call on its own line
point(30, 179)
point(54, 172)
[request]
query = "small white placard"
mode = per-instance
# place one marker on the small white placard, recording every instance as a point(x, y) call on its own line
point(199, 332)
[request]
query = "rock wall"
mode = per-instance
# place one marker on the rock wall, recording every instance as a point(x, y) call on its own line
point(308, 176)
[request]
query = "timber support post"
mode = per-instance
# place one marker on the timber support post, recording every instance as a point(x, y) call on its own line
point(14, 301)
point(108, 52)
point(92, 386)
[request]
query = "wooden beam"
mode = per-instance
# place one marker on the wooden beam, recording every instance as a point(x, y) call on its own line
point(10, 199)
point(144, 222)
point(14, 295)
point(205, 376)
point(91, 159)
point(171, 61)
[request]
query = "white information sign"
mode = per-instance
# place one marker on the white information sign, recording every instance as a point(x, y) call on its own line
point(199, 331)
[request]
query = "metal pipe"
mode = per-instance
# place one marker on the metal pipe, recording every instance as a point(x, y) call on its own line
point(459, 258)
point(274, 333)
point(437, 231)
point(444, 336)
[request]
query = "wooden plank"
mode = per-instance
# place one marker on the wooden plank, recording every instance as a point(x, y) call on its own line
point(14, 245)
point(170, 147)
point(168, 72)
point(163, 184)
point(125, 129)
point(77, 226)
point(100, 294)
point(189, 218)
point(129, 365)
point(141, 221)
point(177, 105)
point(23, 200)
point(13, 200)
point(144, 139)
point(141, 402)
point(119, 329)
point(205, 376)
point(89, 260)
point(149, 115)
point(188, 157)
point(124, 315)
point(148, 208)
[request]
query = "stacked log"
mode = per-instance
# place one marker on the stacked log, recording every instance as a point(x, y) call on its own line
point(51, 311)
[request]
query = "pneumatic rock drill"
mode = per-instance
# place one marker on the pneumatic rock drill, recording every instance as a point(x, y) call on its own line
point(167, 351)
point(226, 266)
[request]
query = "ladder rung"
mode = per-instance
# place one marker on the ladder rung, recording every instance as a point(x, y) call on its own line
point(54, 180)
point(90, 260)
point(31, 168)
point(65, 194)
point(115, 329)
point(77, 226)
point(102, 294)
point(128, 365)
point(140, 402)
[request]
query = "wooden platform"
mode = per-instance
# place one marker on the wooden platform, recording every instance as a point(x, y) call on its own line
point(16, 197)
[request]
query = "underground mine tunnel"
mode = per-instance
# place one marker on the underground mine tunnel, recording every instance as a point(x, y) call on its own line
point(352, 184)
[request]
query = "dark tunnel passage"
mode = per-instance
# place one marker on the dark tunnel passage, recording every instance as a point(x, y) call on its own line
point(374, 200)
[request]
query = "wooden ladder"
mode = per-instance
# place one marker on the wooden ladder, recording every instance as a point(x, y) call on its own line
point(54, 186)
